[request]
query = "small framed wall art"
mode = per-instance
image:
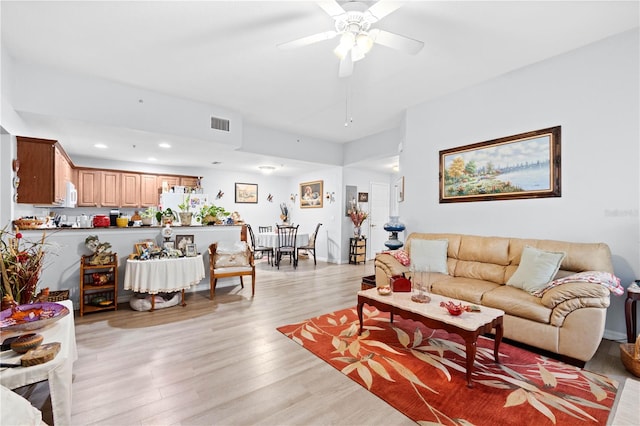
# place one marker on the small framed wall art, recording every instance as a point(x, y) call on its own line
point(247, 193)
point(311, 194)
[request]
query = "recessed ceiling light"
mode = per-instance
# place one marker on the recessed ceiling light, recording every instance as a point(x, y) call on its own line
point(266, 169)
point(395, 167)
point(100, 146)
point(152, 159)
point(164, 145)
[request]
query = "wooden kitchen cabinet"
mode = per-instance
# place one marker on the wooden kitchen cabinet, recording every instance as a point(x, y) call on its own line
point(110, 188)
point(130, 189)
point(44, 171)
point(189, 181)
point(166, 182)
point(89, 187)
point(149, 190)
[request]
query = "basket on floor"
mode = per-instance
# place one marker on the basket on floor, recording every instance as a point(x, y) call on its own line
point(630, 356)
point(58, 296)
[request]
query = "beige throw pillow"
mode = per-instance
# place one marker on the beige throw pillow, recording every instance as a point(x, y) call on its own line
point(537, 267)
point(429, 255)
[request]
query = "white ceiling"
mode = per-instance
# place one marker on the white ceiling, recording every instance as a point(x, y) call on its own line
point(224, 53)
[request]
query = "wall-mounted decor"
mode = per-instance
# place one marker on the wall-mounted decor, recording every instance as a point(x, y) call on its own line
point(351, 199)
point(220, 194)
point(246, 193)
point(399, 188)
point(363, 197)
point(526, 165)
point(270, 198)
point(311, 194)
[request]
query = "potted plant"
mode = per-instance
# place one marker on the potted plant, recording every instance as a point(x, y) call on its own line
point(185, 214)
point(210, 214)
point(148, 215)
point(165, 217)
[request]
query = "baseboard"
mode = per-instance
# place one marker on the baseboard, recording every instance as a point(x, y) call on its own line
point(614, 335)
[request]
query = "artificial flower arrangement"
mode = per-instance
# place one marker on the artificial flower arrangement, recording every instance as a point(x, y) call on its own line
point(22, 262)
point(357, 216)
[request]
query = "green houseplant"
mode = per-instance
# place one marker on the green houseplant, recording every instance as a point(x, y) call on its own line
point(166, 216)
point(148, 215)
point(210, 214)
point(185, 214)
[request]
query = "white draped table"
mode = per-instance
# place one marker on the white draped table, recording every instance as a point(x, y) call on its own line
point(270, 239)
point(58, 371)
point(163, 275)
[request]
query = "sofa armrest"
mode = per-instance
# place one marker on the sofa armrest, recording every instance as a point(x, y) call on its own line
point(569, 297)
point(387, 265)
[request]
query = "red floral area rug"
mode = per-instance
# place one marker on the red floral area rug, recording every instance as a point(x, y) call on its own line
point(422, 373)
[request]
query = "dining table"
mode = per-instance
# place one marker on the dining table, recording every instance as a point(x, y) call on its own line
point(270, 239)
point(166, 275)
point(58, 371)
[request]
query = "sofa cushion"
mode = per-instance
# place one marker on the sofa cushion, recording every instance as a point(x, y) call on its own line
point(536, 269)
point(467, 289)
point(429, 255)
point(516, 302)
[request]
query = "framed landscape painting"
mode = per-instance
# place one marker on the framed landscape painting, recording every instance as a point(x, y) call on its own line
point(247, 193)
point(526, 165)
point(311, 194)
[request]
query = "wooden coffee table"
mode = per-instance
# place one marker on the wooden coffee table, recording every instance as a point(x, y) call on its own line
point(469, 325)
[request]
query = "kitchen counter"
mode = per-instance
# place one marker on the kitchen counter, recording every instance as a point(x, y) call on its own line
point(65, 246)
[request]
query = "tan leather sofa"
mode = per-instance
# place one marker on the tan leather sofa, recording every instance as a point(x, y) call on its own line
point(568, 319)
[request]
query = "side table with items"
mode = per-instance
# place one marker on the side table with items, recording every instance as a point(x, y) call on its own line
point(98, 283)
point(357, 250)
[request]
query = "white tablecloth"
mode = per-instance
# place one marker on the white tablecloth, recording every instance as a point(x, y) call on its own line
point(163, 275)
point(270, 239)
point(57, 371)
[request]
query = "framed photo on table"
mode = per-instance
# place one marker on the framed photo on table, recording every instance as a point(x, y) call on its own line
point(169, 245)
point(182, 241)
point(191, 250)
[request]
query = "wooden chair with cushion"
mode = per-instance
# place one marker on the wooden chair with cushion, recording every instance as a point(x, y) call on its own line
point(287, 244)
point(259, 248)
point(311, 246)
point(231, 260)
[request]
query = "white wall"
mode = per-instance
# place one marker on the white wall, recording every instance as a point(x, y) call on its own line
point(593, 93)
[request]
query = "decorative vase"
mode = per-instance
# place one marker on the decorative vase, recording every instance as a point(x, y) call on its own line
point(185, 218)
point(393, 227)
point(357, 231)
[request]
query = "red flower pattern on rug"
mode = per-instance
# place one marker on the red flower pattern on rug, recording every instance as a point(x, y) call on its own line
point(421, 372)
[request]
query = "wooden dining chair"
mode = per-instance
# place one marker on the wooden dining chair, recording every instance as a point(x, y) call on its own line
point(287, 244)
point(231, 260)
point(311, 245)
point(260, 248)
point(262, 229)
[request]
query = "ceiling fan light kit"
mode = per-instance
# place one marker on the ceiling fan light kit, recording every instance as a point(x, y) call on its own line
point(353, 23)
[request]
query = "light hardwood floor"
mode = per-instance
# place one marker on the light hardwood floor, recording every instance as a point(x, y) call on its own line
point(223, 362)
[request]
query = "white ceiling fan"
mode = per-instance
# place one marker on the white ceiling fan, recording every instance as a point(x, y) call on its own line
point(353, 25)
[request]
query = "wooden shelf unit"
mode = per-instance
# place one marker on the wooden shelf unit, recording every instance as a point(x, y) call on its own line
point(89, 289)
point(357, 250)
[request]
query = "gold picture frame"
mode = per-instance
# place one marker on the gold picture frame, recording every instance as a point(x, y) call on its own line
point(311, 195)
point(526, 165)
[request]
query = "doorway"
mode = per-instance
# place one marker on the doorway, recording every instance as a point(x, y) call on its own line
point(378, 216)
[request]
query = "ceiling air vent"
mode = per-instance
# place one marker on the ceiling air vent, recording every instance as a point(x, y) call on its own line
point(220, 124)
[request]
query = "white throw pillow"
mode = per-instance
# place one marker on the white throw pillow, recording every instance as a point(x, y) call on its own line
point(536, 269)
point(429, 255)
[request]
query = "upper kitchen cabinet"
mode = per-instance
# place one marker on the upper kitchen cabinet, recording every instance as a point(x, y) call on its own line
point(149, 190)
point(189, 181)
point(44, 171)
point(130, 193)
point(89, 187)
point(110, 188)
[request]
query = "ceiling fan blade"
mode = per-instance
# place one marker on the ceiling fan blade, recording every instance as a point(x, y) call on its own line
point(396, 41)
point(305, 41)
point(381, 9)
point(346, 66)
point(332, 7)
